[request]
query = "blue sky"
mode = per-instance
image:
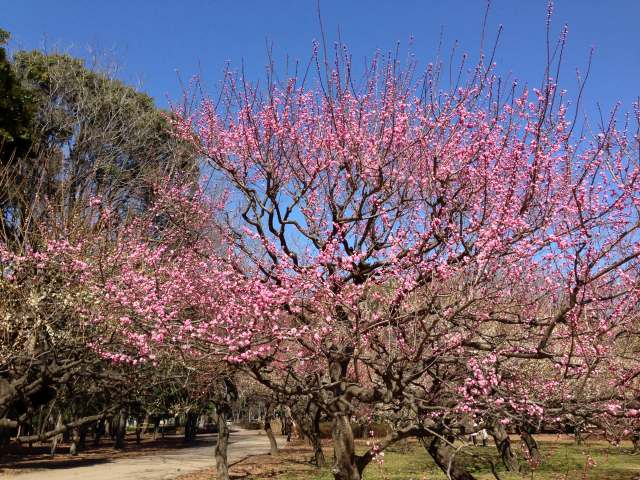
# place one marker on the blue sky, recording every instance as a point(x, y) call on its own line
point(153, 40)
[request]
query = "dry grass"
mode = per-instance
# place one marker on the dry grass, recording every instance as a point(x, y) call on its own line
point(293, 460)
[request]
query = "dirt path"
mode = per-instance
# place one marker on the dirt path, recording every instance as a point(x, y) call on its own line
point(160, 466)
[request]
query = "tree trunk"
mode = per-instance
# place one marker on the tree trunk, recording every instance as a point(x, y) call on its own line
point(56, 439)
point(191, 427)
point(222, 467)
point(120, 429)
point(82, 440)
point(138, 431)
point(145, 424)
point(445, 457)
point(344, 467)
point(578, 435)
point(318, 454)
point(98, 431)
point(309, 424)
point(5, 437)
point(156, 427)
point(82, 437)
point(503, 444)
point(267, 428)
point(532, 446)
point(294, 428)
point(635, 440)
point(286, 427)
point(75, 439)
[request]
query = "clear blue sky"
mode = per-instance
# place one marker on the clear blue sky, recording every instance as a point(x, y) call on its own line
point(153, 39)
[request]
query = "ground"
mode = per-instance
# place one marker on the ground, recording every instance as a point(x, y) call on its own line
point(152, 461)
point(563, 460)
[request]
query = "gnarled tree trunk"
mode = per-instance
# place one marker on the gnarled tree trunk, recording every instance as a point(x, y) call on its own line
point(532, 446)
point(318, 454)
point(445, 457)
point(267, 428)
point(309, 424)
point(503, 444)
point(222, 466)
point(120, 425)
point(56, 439)
point(75, 440)
point(314, 437)
point(344, 466)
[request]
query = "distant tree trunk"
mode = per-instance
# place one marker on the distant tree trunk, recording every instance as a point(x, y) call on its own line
point(503, 444)
point(293, 426)
point(28, 430)
point(139, 423)
point(267, 428)
point(191, 427)
point(31, 429)
point(286, 427)
point(82, 440)
point(578, 435)
point(222, 466)
point(5, 437)
point(145, 424)
point(75, 440)
point(444, 456)
point(56, 439)
point(98, 431)
point(120, 429)
point(156, 426)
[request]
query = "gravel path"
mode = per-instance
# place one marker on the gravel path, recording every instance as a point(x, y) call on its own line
point(161, 466)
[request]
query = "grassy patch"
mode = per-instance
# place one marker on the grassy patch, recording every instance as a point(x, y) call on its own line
point(563, 460)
